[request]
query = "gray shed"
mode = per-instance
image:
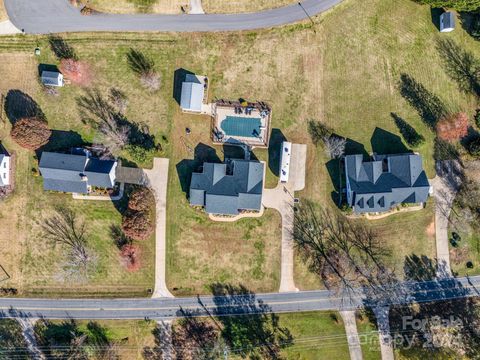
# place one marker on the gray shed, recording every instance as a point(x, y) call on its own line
point(192, 94)
point(447, 21)
point(52, 78)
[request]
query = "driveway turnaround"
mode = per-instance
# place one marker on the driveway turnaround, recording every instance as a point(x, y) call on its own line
point(168, 308)
point(56, 16)
point(157, 179)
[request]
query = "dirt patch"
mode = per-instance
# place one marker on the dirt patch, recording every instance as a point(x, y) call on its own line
point(430, 231)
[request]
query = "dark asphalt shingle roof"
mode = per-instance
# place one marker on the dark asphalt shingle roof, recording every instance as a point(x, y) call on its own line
point(67, 172)
point(227, 193)
point(386, 181)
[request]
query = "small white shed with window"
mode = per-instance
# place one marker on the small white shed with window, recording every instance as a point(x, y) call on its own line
point(447, 21)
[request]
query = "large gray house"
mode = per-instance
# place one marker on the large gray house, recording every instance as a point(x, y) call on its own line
point(228, 188)
point(76, 173)
point(386, 181)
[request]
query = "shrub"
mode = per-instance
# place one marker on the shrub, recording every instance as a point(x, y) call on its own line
point(459, 5)
point(130, 255)
point(78, 72)
point(452, 127)
point(139, 154)
point(144, 68)
point(474, 146)
point(318, 131)
point(141, 199)
point(30, 133)
point(137, 225)
point(477, 118)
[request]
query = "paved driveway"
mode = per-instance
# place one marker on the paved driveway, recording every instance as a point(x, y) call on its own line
point(55, 16)
point(157, 179)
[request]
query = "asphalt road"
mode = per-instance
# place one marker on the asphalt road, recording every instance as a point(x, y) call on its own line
point(55, 16)
point(168, 308)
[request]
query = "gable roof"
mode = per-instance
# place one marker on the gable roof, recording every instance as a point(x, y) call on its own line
point(192, 94)
point(74, 173)
point(386, 181)
point(224, 192)
point(52, 78)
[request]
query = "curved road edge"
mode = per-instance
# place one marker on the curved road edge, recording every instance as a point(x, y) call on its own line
point(57, 16)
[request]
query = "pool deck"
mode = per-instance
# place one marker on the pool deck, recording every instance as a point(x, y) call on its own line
point(220, 113)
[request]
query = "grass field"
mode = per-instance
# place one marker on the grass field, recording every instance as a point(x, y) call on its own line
point(131, 336)
point(346, 79)
point(175, 6)
point(142, 6)
point(368, 336)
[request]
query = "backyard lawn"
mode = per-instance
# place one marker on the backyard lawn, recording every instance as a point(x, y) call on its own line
point(348, 80)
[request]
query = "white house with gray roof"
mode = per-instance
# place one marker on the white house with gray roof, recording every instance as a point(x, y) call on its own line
point(386, 181)
point(76, 173)
point(228, 188)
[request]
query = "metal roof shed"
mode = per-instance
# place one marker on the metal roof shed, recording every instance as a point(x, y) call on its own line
point(192, 94)
point(447, 21)
point(52, 78)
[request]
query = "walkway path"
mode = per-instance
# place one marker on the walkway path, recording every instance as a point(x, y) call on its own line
point(445, 186)
point(352, 334)
point(385, 339)
point(281, 199)
point(7, 28)
point(28, 331)
point(157, 179)
point(56, 16)
point(196, 7)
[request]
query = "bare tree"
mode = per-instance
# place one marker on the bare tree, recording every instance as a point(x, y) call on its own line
point(345, 254)
point(334, 146)
point(110, 122)
point(66, 229)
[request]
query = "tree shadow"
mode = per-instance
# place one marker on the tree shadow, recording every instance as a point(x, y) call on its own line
point(471, 23)
point(435, 15)
point(116, 233)
point(410, 135)
point(443, 150)
point(60, 48)
point(202, 153)
point(419, 268)
point(47, 67)
point(248, 325)
point(178, 79)
point(460, 64)
point(353, 147)
point(428, 105)
point(275, 150)
point(20, 105)
point(384, 142)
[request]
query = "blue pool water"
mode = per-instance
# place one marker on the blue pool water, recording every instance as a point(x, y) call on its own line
point(241, 126)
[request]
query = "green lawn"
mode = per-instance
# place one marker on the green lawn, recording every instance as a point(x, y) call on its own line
point(317, 335)
point(369, 339)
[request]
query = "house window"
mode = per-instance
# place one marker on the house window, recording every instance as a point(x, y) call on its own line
point(5, 165)
point(4, 175)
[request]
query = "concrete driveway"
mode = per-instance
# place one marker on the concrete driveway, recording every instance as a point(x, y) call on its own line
point(281, 199)
point(157, 179)
point(57, 16)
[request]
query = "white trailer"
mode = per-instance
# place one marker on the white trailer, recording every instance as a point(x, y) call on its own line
point(285, 161)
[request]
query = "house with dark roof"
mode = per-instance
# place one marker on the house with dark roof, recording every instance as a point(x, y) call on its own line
point(76, 173)
point(386, 181)
point(228, 188)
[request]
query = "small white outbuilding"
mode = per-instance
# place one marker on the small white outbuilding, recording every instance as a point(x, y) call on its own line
point(447, 21)
point(193, 91)
point(52, 78)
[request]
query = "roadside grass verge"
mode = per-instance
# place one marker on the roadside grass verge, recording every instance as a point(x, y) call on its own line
point(369, 339)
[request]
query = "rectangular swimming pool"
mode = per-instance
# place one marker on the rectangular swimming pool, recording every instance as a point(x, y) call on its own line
point(241, 126)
